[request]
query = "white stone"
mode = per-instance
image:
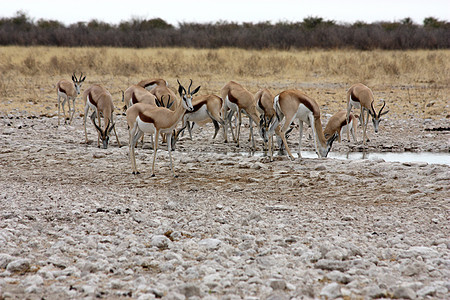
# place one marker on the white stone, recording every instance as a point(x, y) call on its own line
point(210, 244)
point(331, 291)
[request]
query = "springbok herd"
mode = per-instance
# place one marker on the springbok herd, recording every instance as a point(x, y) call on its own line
point(154, 109)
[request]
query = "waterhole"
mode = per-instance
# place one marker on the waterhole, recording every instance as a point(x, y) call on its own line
point(403, 157)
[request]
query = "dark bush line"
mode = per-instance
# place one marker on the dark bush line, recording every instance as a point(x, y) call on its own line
point(311, 33)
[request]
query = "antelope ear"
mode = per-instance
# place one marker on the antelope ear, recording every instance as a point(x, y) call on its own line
point(73, 77)
point(196, 90)
point(83, 79)
point(382, 114)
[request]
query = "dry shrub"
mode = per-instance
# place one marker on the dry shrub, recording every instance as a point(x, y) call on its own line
point(387, 72)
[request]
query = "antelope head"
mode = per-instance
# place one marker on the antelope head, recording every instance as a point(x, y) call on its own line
point(77, 82)
point(376, 118)
point(264, 126)
point(325, 150)
point(104, 135)
point(186, 97)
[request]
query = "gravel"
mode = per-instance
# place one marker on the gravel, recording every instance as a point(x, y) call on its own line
point(75, 223)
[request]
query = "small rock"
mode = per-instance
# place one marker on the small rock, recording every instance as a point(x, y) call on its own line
point(329, 264)
point(426, 291)
point(160, 241)
point(404, 293)
point(331, 291)
point(375, 292)
point(189, 290)
point(277, 284)
point(99, 155)
point(210, 244)
point(338, 277)
point(19, 266)
point(5, 259)
point(34, 280)
point(424, 252)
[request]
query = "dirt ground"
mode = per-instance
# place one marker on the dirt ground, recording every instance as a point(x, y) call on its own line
point(76, 223)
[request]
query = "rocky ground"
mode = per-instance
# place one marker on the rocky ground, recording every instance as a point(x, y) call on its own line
point(75, 223)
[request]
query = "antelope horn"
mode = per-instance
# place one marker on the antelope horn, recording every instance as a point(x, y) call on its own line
point(81, 76)
point(95, 124)
point(169, 104)
point(189, 88)
point(180, 87)
point(379, 113)
point(373, 113)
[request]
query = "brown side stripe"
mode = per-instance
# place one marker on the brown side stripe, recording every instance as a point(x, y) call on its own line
point(145, 118)
point(134, 100)
point(61, 90)
point(91, 100)
point(344, 122)
point(150, 83)
point(260, 104)
point(354, 98)
point(232, 99)
point(307, 104)
point(198, 105)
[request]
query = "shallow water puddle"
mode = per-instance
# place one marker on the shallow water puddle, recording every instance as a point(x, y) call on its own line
point(403, 157)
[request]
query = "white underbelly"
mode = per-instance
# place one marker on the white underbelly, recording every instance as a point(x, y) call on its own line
point(344, 128)
point(198, 116)
point(231, 105)
point(147, 128)
point(62, 95)
point(303, 113)
point(91, 106)
point(356, 104)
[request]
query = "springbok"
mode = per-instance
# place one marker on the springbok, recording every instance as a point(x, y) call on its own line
point(149, 84)
point(205, 107)
point(238, 100)
point(148, 119)
point(135, 94)
point(100, 101)
point(264, 104)
point(360, 96)
point(295, 104)
point(68, 91)
point(338, 124)
point(162, 91)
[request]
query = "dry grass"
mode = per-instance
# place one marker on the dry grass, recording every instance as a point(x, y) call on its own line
point(414, 83)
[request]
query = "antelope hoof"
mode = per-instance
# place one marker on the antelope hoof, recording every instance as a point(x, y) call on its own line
point(135, 173)
point(175, 176)
point(153, 175)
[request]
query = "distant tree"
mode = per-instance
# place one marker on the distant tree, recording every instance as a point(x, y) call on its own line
point(312, 22)
point(407, 21)
point(22, 21)
point(49, 24)
point(99, 25)
point(432, 22)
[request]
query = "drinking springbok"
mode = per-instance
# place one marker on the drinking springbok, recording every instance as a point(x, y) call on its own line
point(338, 124)
point(292, 104)
point(238, 100)
point(100, 101)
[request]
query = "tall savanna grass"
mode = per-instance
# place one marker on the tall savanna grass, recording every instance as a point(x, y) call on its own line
point(420, 79)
